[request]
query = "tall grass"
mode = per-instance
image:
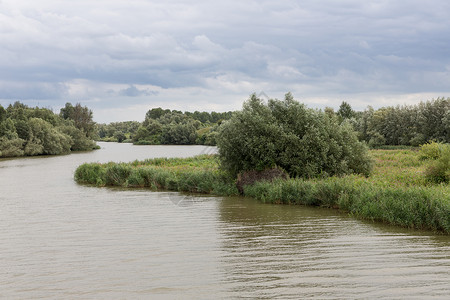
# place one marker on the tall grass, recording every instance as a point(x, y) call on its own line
point(197, 175)
point(414, 207)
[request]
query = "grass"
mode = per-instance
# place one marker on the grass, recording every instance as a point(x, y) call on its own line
point(397, 192)
point(413, 207)
point(198, 174)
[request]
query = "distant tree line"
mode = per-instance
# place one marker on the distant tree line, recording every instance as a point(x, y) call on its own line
point(166, 127)
point(121, 132)
point(35, 131)
point(410, 125)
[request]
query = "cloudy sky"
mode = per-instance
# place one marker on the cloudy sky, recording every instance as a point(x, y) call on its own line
point(121, 58)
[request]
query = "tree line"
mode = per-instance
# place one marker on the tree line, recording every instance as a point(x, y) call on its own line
point(36, 131)
point(409, 125)
point(166, 127)
point(33, 131)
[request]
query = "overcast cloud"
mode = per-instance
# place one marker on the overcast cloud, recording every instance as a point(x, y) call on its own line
point(121, 58)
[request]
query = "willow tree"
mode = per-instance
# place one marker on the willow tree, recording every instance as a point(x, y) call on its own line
point(287, 134)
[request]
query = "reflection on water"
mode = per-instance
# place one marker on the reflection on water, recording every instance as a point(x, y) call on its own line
point(293, 252)
point(60, 240)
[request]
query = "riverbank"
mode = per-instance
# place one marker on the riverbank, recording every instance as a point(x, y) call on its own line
point(199, 174)
point(396, 193)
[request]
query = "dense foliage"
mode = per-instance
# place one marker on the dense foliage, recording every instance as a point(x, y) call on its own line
point(387, 126)
point(117, 131)
point(35, 131)
point(81, 116)
point(438, 170)
point(404, 125)
point(166, 127)
point(302, 141)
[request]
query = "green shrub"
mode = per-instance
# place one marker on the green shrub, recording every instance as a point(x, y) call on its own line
point(439, 170)
point(431, 150)
point(302, 141)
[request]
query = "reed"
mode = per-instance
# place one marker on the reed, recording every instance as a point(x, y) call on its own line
point(196, 175)
point(413, 207)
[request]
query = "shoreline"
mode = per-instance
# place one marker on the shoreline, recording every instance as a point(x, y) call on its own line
point(395, 194)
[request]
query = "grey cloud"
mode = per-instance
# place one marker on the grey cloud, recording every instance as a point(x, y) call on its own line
point(133, 91)
point(33, 90)
point(326, 47)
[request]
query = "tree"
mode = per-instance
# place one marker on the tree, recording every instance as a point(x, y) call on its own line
point(82, 117)
point(120, 136)
point(35, 131)
point(11, 147)
point(302, 141)
point(432, 119)
point(79, 140)
point(156, 113)
point(2, 114)
point(179, 134)
point(52, 141)
point(8, 129)
point(345, 111)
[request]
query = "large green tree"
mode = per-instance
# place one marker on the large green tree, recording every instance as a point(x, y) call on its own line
point(406, 125)
point(82, 117)
point(302, 141)
point(345, 111)
point(2, 113)
point(35, 131)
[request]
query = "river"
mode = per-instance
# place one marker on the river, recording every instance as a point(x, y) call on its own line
point(61, 240)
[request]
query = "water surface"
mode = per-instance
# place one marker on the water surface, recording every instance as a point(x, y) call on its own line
point(61, 240)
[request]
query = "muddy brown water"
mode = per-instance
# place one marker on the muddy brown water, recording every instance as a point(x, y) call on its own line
point(61, 240)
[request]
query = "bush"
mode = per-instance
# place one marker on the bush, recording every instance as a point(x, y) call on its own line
point(439, 170)
point(432, 150)
point(302, 141)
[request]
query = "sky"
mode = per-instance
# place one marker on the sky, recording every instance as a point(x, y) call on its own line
point(122, 58)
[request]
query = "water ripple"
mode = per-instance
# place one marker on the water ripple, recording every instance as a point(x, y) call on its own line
point(59, 240)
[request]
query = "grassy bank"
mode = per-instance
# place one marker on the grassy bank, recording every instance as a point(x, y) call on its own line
point(198, 174)
point(396, 193)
